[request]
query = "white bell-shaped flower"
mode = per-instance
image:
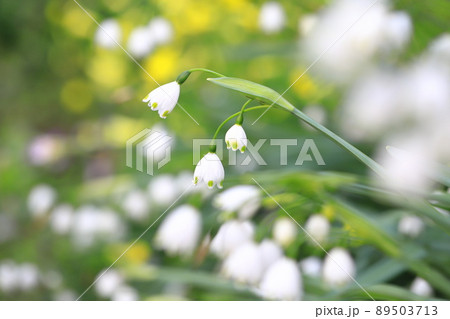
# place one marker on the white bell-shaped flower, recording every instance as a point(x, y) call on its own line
point(244, 264)
point(236, 138)
point(270, 252)
point(231, 235)
point(282, 281)
point(164, 98)
point(318, 227)
point(180, 231)
point(209, 170)
point(284, 231)
point(243, 199)
point(338, 267)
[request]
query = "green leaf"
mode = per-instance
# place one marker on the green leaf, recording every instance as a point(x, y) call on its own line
point(254, 91)
point(267, 95)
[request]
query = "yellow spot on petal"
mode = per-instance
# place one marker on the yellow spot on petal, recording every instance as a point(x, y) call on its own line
point(210, 184)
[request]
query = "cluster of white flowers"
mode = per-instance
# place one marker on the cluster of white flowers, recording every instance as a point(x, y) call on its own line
point(142, 39)
point(110, 284)
point(407, 109)
point(18, 277)
point(351, 49)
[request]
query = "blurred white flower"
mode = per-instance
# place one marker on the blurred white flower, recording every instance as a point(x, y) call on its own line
point(371, 106)
point(306, 23)
point(318, 227)
point(282, 281)
point(338, 267)
point(421, 287)
point(125, 293)
point(311, 266)
point(272, 17)
point(28, 276)
point(209, 170)
point(231, 235)
point(353, 51)
point(406, 168)
point(91, 223)
point(180, 231)
point(244, 264)
point(410, 225)
point(285, 231)
point(9, 276)
point(270, 252)
point(163, 189)
point(243, 199)
point(440, 49)
point(161, 30)
point(398, 30)
point(108, 34)
point(141, 42)
point(65, 295)
point(136, 205)
point(236, 138)
point(61, 219)
point(108, 283)
point(164, 98)
point(40, 199)
point(45, 149)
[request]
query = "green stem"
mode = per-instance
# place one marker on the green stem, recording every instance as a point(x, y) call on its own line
point(236, 114)
point(205, 70)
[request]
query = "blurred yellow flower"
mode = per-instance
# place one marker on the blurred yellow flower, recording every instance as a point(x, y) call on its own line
point(138, 254)
point(305, 87)
point(328, 211)
point(108, 68)
point(116, 5)
point(76, 95)
point(118, 129)
point(162, 65)
point(76, 21)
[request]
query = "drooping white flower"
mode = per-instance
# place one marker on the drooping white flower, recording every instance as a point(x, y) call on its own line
point(161, 30)
point(231, 235)
point(270, 252)
point(244, 264)
point(136, 206)
point(61, 219)
point(311, 266)
point(163, 190)
point(282, 281)
point(410, 225)
point(108, 281)
point(284, 231)
point(108, 34)
point(421, 287)
point(272, 17)
point(243, 199)
point(41, 199)
point(141, 42)
point(318, 227)
point(164, 98)
point(338, 267)
point(236, 138)
point(209, 170)
point(180, 231)
point(125, 293)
